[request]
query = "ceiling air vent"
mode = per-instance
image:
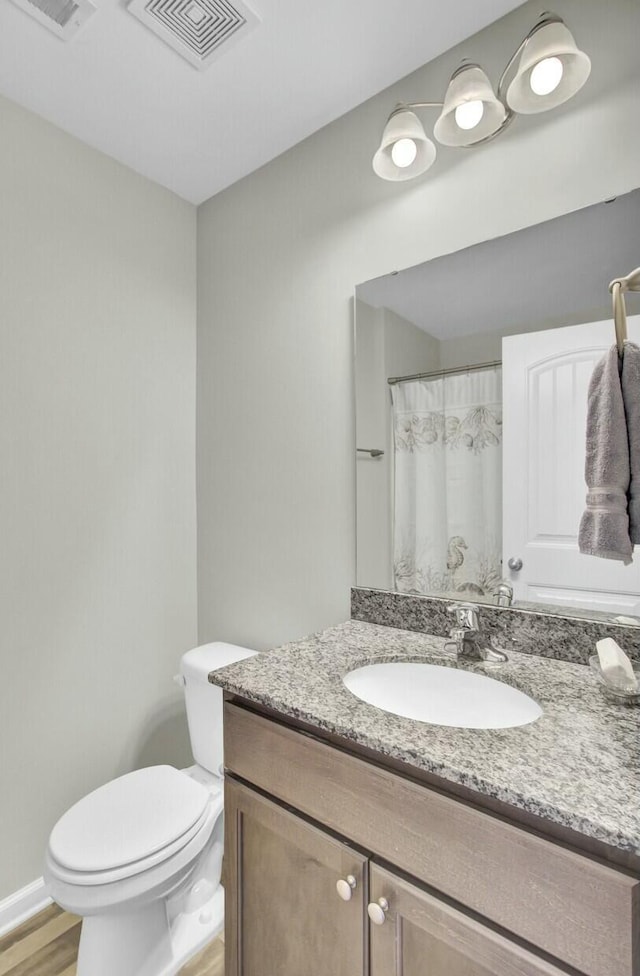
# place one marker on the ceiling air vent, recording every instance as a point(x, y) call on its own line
point(63, 17)
point(196, 29)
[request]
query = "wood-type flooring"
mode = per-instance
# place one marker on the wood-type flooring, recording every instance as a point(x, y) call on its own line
point(47, 945)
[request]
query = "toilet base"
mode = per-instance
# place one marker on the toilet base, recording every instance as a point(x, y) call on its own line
point(146, 943)
point(192, 931)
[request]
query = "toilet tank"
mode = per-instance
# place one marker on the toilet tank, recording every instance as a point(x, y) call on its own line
point(204, 700)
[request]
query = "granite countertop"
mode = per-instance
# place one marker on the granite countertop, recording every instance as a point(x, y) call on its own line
point(577, 766)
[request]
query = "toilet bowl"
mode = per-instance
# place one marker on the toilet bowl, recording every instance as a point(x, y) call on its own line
point(140, 858)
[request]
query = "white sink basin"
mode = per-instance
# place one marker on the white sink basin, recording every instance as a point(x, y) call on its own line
point(442, 696)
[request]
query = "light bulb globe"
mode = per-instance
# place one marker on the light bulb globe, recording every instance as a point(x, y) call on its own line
point(404, 152)
point(546, 76)
point(471, 111)
point(469, 114)
point(551, 70)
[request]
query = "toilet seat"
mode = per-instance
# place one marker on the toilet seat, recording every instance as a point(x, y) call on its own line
point(92, 894)
point(129, 825)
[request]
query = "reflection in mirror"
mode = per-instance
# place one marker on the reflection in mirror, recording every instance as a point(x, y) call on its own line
point(471, 383)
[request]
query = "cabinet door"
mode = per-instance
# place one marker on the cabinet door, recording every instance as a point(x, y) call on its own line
point(284, 916)
point(419, 935)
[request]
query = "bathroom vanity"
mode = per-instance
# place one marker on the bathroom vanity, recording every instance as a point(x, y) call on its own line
point(359, 842)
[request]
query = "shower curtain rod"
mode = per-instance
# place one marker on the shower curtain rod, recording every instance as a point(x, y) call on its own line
point(443, 372)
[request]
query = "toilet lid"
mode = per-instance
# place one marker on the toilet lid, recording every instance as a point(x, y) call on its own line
point(128, 819)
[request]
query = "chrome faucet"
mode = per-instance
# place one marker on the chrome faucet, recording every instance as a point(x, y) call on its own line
point(467, 637)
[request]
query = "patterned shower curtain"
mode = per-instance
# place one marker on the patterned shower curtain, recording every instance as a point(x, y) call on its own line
point(448, 484)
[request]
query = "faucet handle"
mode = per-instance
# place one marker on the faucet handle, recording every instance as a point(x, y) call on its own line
point(466, 615)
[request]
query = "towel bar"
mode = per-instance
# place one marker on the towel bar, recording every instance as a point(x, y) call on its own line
point(617, 287)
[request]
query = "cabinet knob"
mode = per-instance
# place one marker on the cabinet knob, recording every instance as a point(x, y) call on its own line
point(377, 911)
point(515, 564)
point(346, 886)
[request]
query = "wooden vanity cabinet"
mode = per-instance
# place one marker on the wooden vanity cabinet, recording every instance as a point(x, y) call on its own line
point(284, 916)
point(464, 892)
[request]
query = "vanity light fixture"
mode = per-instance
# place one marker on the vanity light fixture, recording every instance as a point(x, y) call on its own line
point(550, 70)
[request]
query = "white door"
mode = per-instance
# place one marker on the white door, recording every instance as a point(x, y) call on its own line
point(545, 380)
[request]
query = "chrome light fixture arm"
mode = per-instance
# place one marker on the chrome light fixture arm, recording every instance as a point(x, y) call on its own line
point(509, 117)
point(409, 106)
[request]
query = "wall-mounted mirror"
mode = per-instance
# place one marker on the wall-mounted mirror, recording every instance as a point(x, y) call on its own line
point(471, 380)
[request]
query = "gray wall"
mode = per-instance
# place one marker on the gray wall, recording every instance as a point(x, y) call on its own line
point(279, 255)
point(373, 546)
point(97, 493)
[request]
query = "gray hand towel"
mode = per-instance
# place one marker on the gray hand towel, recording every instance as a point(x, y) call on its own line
point(604, 528)
point(631, 400)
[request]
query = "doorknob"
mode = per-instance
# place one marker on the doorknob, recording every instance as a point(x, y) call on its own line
point(346, 886)
point(377, 911)
point(515, 564)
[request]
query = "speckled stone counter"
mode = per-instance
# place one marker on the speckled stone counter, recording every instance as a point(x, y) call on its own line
point(518, 628)
point(577, 766)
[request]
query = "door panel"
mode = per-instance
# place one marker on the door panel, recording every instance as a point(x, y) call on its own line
point(423, 936)
point(282, 890)
point(545, 381)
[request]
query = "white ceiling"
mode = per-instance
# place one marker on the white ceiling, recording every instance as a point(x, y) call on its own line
point(122, 90)
point(576, 256)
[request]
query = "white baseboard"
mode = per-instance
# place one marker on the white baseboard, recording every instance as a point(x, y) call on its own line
point(21, 905)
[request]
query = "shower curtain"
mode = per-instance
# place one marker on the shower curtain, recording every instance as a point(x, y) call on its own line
point(448, 484)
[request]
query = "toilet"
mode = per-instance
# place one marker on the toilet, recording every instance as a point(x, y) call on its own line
point(139, 859)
